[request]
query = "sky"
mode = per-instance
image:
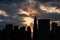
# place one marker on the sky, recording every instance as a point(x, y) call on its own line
point(21, 12)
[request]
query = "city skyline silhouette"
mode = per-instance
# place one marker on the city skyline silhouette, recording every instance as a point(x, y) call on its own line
point(41, 31)
point(29, 19)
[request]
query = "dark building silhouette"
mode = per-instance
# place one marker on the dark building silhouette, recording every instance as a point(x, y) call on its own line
point(54, 27)
point(58, 29)
point(28, 33)
point(44, 29)
point(58, 32)
point(54, 31)
point(15, 28)
point(22, 33)
point(9, 27)
point(41, 31)
point(35, 30)
point(15, 33)
point(8, 31)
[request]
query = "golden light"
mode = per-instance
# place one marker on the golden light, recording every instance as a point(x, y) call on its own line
point(42, 7)
point(23, 12)
point(49, 9)
point(28, 20)
point(3, 13)
point(31, 11)
point(31, 26)
point(28, 12)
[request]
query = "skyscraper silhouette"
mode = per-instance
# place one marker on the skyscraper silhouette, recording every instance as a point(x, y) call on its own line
point(22, 33)
point(28, 33)
point(8, 31)
point(54, 27)
point(15, 33)
point(44, 29)
point(54, 31)
point(35, 30)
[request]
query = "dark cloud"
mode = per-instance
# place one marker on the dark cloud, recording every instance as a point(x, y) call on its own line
point(11, 1)
point(52, 16)
point(45, 0)
point(12, 10)
point(12, 7)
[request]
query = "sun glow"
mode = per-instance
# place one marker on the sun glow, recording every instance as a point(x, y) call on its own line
point(28, 20)
point(49, 9)
point(29, 11)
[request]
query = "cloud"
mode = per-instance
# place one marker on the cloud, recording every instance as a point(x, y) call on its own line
point(45, 0)
point(16, 17)
point(11, 1)
point(52, 16)
point(50, 9)
point(1, 20)
point(3, 13)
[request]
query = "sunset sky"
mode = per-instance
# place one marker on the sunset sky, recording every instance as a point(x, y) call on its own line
point(21, 12)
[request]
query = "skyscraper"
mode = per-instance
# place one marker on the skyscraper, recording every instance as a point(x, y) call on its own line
point(54, 27)
point(44, 29)
point(35, 31)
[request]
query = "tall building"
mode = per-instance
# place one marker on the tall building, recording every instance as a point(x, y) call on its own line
point(35, 31)
point(54, 27)
point(28, 33)
point(8, 31)
point(58, 32)
point(44, 29)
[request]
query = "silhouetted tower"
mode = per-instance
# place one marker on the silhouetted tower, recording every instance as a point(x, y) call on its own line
point(28, 33)
point(58, 32)
point(15, 33)
point(22, 33)
point(9, 30)
point(35, 31)
point(44, 29)
point(54, 28)
point(58, 29)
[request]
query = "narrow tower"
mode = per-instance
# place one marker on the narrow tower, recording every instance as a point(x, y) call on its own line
point(35, 31)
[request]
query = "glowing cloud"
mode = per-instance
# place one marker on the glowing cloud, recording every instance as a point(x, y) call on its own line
point(23, 12)
point(49, 9)
point(28, 12)
point(28, 20)
point(3, 13)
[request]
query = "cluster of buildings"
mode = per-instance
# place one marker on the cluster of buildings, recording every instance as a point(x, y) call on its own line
point(41, 31)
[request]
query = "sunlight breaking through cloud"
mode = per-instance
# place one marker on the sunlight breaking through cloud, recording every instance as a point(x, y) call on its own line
point(50, 9)
point(3, 13)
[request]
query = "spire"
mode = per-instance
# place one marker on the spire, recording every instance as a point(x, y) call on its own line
point(35, 19)
point(35, 30)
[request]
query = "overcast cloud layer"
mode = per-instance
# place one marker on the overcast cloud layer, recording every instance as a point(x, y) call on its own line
point(9, 11)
